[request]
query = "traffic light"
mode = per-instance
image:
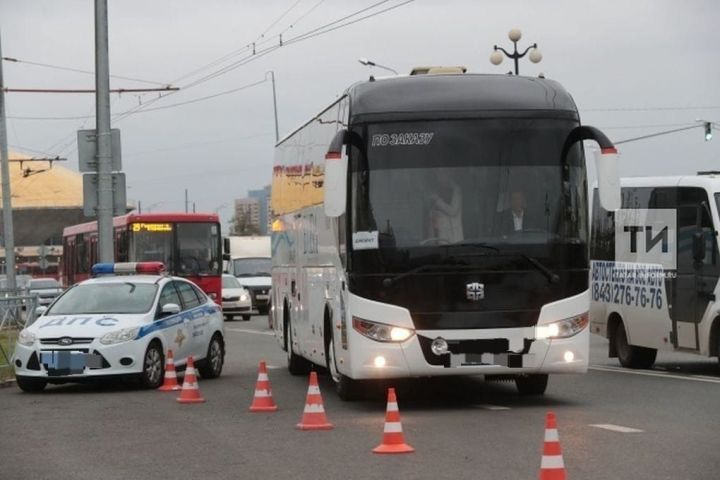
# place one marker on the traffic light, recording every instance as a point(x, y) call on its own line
point(708, 131)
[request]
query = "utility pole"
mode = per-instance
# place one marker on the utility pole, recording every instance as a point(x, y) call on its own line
point(277, 134)
point(102, 115)
point(8, 233)
point(186, 200)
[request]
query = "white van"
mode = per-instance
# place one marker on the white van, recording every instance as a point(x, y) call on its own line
point(641, 306)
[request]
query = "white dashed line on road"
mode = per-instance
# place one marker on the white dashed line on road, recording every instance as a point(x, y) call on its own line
point(649, 373)
point(616, 428)
point(245, 330)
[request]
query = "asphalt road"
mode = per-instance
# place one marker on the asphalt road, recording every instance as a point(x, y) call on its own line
point(660, 424)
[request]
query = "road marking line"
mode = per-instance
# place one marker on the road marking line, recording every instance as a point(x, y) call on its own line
point(616, 428)
point(492, 407)
point(655, 374)
point(244, 330)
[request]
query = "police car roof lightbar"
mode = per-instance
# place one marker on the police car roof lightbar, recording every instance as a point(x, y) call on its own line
point(153, 268)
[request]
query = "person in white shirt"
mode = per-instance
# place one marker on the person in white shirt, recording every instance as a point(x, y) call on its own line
point(445, 222)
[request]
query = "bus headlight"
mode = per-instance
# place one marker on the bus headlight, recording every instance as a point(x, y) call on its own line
point(381, 332)
point(562, 329)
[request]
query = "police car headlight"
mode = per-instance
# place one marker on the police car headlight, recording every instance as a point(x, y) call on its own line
point(120, 336)
point(563, 329)
point(26, 338)
point(381, 332)
point(243, 298)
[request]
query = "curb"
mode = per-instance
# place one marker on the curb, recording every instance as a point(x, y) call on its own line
point(7, 383)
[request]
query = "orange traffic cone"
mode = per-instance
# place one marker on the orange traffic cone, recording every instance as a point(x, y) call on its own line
point(393, 440)
point(552, 466)
point(170, 384)
point(190, 392)
point(314, 414)
point(263, 401)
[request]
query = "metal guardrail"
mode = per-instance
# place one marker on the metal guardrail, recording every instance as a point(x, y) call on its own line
point(17, 309)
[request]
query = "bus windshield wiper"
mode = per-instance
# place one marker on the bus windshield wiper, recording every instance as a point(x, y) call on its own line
point(551, 276)
point(389, 281)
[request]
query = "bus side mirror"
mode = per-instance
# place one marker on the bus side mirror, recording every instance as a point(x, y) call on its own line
point(605, 163)
point(226, 249)
point(335, 181)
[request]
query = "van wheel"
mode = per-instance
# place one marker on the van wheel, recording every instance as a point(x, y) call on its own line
point(533, 384)
point(631, 356)
point(31, 384)
point(297, 365)
point(346, 387)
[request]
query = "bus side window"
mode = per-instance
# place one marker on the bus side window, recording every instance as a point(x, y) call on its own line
point(81, 252)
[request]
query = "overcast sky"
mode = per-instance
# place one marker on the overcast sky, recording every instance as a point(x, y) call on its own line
point(634, 68)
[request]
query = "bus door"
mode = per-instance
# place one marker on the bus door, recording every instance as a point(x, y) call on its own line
point(697, 267)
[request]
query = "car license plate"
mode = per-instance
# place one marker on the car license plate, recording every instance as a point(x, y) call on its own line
point(261, 297)
point(60, 362)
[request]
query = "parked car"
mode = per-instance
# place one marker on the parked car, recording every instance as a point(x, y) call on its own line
point(236, 299)
point(47, 289)
point(121, 325)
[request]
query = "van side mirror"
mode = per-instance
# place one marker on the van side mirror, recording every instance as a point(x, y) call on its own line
point(335, 182)
point(698, 247)
point(606, 164)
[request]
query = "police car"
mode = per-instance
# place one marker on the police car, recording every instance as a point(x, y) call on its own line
point(115, 324)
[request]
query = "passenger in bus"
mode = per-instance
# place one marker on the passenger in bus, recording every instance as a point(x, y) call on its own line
point(445, 215)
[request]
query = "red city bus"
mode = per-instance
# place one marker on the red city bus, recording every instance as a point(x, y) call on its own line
point(189, 244)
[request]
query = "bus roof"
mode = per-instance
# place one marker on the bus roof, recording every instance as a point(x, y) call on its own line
point(457, 93)
point(134, 217)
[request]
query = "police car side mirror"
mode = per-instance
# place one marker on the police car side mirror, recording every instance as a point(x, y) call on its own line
point(40, 311)
point(170, 309)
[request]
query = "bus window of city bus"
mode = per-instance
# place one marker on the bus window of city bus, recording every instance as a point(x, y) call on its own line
point(198, 247)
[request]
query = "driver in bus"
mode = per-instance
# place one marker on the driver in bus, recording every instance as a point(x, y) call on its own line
point(445, 215)
point(515, 218)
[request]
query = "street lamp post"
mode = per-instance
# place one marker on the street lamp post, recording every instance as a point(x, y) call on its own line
point(514, 35)
point(370, 63)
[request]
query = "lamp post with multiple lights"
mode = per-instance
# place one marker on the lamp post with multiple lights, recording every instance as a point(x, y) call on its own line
point(514, 35)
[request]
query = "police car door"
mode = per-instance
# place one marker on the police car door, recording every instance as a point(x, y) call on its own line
point(193, 320)
point(176, 335)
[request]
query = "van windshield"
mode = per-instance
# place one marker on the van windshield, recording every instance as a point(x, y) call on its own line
point(252, 267)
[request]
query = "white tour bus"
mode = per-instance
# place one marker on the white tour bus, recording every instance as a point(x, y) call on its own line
point(644, 306)
point(437, 224)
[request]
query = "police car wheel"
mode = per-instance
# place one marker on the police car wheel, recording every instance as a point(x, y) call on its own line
point(212, 365)
point(153, 372)
point(30, 384)
point(246, 318)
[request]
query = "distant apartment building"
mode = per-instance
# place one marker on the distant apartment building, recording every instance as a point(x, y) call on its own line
point(262, 195)
point(247, 216)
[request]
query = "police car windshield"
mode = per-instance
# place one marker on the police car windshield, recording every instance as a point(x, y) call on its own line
point(126, 297)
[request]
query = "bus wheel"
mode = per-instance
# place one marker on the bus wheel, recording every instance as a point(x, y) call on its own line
point(532, 384)
point(631, 356)
point(346, 387)
point(296, 364)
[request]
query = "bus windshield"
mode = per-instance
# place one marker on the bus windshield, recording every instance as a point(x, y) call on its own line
point(717, 200)
point(186, 249)
point(496, 183)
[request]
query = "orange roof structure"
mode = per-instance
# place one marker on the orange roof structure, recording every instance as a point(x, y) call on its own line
point(56, 187)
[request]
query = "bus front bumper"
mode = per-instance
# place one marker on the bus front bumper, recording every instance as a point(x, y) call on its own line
point(472, 353)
